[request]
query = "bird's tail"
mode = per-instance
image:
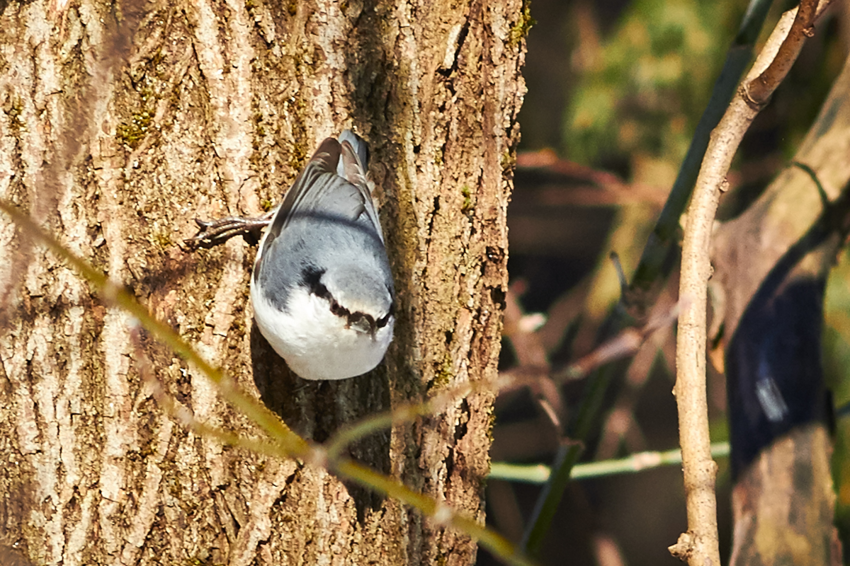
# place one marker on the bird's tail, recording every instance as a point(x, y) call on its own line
point(358, 145)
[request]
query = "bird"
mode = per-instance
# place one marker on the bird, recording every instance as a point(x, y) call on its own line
point(322, 288)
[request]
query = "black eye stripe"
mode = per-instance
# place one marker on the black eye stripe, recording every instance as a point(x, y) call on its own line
point(312, 277)
point(382, 322)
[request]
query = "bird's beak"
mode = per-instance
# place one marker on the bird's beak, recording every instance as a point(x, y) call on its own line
point(365, 325)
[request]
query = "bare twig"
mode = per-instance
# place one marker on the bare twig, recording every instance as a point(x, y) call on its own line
point(539, 473)
point(117, 295)
point(183, 415)
point(587, 186)
point(759, 90)
point(621, 425)
point(625, 344)
point(530, 353)
point(653, 264)
point(699, 546)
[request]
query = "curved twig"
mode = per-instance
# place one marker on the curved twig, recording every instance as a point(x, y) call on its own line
point(282, 442)
point(699, 546)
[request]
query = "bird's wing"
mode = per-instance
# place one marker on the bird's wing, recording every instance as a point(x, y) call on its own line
point(320, 191)
point(359, 145)
point(354, 167)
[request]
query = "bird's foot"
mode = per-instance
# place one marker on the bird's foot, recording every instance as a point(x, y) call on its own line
point(214, 232)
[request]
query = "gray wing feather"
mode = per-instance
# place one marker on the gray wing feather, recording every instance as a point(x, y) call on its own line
point(359, 146)
point(334, 183)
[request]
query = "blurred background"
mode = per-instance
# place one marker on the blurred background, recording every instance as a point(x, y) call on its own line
point(615, 90)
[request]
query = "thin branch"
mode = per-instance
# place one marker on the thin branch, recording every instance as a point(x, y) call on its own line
point(653, 264)
point(623, 345)
point(559, 182)
point(212, 233)
point(439, 513)
point(758, 90)
point(184, 416)
point(118, 295)
point(615, 350)
point(530, 352)
point(284, 443)
point(699, 546)
point(409, 412)
point(540, 473)
point(401, 414)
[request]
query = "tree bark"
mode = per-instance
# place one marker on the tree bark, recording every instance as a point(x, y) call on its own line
point(123, 122)
point(771, 267)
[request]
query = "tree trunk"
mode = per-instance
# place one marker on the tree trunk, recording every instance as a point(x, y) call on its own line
point(123, 122)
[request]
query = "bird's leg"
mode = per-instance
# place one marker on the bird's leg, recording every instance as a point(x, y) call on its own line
point(214, 232)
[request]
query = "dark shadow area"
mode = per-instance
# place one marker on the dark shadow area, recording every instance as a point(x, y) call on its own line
point(167, 274)
point(773, 363)
point(774, 370)
point(318, 409)
point(12, 557)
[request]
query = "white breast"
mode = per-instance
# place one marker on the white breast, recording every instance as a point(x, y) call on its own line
point(315, 342)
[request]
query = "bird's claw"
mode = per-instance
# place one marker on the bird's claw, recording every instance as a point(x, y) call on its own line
point(211, 233)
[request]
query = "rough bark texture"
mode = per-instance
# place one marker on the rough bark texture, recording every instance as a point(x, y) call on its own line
point(121, 123)
point(772, 263)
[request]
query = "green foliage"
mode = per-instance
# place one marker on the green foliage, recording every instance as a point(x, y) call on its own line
point(836, 346)
point(837, 331)
point(651, 82)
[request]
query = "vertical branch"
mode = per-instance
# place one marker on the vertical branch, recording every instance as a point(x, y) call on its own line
point(699, 546)
point(651, 265)
point(772, 263)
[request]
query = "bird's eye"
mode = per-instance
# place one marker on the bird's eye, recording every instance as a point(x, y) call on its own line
point(382, 322)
